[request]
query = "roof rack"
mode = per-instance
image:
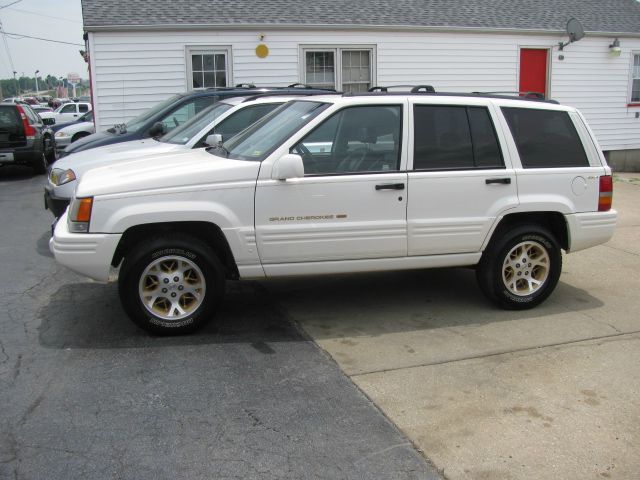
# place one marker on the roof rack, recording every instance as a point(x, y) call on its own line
point(414, 88)
point(284, 94)
point(535, 95)
point(532, 97)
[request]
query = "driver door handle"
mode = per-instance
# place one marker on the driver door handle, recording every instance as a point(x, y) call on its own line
point(390, 186)
point(504, 181)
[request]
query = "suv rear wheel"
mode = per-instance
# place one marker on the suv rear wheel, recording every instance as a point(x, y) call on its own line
point(520, 269)
point(171, 284)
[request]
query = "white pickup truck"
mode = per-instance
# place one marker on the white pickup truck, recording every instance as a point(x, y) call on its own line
point(347, 183)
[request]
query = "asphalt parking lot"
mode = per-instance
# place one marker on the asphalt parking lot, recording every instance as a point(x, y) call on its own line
point(87, 395)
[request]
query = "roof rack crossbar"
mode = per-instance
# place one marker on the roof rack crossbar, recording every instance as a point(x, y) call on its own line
point(414, 88)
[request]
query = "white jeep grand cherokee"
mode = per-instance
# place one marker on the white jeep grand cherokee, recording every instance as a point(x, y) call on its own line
point(347, 183)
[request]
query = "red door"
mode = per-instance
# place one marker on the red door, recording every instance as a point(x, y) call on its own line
point(533, 70)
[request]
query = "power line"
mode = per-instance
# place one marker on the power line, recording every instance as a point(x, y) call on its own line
point(6, 46)
point(37, 38)
point(9, 4)
point(43, 15)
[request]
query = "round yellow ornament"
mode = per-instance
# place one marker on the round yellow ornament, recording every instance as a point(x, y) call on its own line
point(262, 51)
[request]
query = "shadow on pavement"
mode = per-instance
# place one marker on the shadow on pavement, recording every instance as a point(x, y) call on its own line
point(17, 172)
point(42, 245)
point(377, 303)
point(89, 315)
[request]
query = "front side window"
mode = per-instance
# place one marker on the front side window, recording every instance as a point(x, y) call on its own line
point(208, 67)
point(68, 108)
point(545, 138)
point(354, 140)
point(259, 140)
point(341, 68)
point(454, 137)
point(635, 78)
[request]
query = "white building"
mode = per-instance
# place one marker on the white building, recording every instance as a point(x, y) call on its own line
point(143, 51)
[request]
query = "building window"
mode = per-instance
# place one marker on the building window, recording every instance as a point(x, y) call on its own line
point(350, 69)
point(635, 78)
point(208, 67)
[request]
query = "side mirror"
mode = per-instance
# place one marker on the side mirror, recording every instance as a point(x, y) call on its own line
point(49, 121)
point(157, 130)
point(288, 166)
point(213, 140)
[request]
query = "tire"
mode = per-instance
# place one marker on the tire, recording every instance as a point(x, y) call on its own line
point(180, 306)
point(79, 135)
point(39, 164)
point(49, 149)
point(513, 284)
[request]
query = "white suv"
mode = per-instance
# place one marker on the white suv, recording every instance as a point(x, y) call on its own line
point(347, 183)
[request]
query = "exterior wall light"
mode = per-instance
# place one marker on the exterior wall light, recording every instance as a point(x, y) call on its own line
point(614, 48)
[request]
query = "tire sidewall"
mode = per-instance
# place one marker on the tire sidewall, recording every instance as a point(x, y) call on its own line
point(134, 266)
point(500, 291)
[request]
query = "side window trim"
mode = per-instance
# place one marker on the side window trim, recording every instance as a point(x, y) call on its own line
point(492, 120)
point(336, 112)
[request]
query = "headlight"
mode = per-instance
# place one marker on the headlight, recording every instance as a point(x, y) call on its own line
point(61, 134)
point(60, 177)
point(80, 214)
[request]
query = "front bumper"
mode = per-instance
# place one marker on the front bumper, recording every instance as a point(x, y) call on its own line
point(56, 205)
point(88, 254)
point(62, 142)
point(57, 197)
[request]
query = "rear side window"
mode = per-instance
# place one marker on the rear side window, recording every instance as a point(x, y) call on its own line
point(83, 107)
point(9, 117)
point(545, 138)
point(453, 138)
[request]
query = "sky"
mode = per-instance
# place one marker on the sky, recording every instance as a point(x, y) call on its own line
point(35, 18)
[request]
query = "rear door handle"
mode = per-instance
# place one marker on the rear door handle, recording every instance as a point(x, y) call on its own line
point(390, 186)
point(504, 181)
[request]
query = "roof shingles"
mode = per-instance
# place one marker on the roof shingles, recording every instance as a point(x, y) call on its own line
point(613, 16)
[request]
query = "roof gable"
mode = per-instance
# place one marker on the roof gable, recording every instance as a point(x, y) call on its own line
point(611, 16)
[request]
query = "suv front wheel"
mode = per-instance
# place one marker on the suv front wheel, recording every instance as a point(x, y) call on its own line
point(171, 284)
point(520, 269)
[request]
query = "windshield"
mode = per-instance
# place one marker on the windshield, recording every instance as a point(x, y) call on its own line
point(186, 131)
point(139, 121)
point(263, 137)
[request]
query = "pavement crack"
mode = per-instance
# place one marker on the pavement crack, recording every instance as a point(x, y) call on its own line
point(4, 357)
point(35, 403)
point(621, 250)
point(613, 336)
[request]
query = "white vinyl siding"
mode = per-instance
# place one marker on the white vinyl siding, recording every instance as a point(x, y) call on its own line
point(132, 71)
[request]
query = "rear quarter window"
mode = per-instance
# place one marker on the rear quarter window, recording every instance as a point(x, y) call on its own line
point(9, 117)
point(545, 138)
